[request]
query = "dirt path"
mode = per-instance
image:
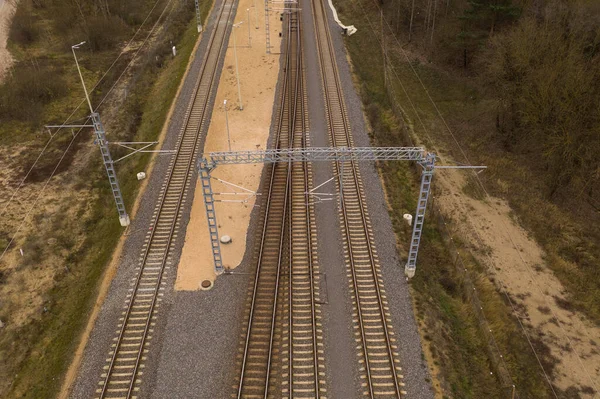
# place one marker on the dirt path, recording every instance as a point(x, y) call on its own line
point(6, 11)
point(249, 130)
point(516, 263)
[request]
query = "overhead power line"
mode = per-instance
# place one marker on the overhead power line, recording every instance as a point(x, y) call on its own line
point(22, 182)
point(486, 193)
point(41, 191)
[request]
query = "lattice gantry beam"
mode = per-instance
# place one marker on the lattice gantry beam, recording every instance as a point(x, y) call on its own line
point(208, 162)
point(317, 154)
point(322, 154)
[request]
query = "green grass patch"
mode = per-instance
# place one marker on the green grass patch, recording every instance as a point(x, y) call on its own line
point(50, 342)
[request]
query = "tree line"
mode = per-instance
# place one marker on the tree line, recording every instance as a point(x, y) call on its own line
point(542, 60)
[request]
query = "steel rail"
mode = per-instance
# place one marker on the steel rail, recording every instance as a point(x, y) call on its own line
point(255, 291)
point(299, 127)
point(181, 186)
point(292, 119)
point(337, 125)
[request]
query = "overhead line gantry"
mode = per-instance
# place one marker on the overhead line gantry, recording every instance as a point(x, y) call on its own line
point(208, 162)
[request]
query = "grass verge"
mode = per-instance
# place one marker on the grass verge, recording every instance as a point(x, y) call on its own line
point(455, 335)
point(51, 341)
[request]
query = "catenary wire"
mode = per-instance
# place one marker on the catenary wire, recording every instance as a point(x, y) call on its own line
point(41, 191)
point(429, 138)
point(486, 193)
point(14, 193)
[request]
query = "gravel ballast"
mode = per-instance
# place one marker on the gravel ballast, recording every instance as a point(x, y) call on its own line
point(194, 349)
point(338, 332)
point(97, 348)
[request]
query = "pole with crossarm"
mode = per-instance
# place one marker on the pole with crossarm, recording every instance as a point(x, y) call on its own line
point(105, 152)
point(103, 143)
point(428, 166)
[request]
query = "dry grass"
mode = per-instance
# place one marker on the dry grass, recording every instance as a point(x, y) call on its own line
point(455, 338)
point(71, 235)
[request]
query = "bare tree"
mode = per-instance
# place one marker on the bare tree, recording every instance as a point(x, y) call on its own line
point(433, 19)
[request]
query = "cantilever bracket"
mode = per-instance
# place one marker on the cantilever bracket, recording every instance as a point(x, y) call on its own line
point(144, 144)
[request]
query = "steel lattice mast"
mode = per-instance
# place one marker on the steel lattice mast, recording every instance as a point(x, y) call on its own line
point(318, 154)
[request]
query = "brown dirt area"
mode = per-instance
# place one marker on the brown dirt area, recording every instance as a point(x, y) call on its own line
point(249, 130)
point(6, 10)
point(516, 264)
point(27, 277)
point(47, 235)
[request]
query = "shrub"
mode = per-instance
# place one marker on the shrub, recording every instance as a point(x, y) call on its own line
point(29, 88)
point(104, 32)
point(23, 29)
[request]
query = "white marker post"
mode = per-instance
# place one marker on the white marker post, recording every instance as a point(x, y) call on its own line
point(249, 38)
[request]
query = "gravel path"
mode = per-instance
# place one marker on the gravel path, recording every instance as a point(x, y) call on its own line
point(104, 330)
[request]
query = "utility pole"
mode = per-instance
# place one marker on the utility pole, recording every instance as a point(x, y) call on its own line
point(412, 14)
point(383, 51)
point(428, 165)
point(237, 72)
point(255, 14)
point(103, 144)
point(267, 31)
point(433, 21)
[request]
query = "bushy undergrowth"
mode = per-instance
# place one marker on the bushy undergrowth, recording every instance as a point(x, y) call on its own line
point(28, 90)
point(454, 330)
point(521, 93)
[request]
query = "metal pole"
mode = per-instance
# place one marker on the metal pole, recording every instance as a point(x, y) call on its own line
point(412, 14)
point(87, 97)
point(110, 169)
point(227, 124)
point(249, 38)
point(383, 51)
point(204, 170)
point(103, 144)
point(267, 32)
point(341, 183)
point(428, 165)
point(237, 72)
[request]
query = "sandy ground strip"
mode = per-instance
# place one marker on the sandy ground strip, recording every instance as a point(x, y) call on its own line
point(6, 11)
point(517, 264)
point(248, 130)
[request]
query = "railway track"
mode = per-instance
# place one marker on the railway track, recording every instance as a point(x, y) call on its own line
point(121, 377)
point(282, 342)
point(378, 358)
